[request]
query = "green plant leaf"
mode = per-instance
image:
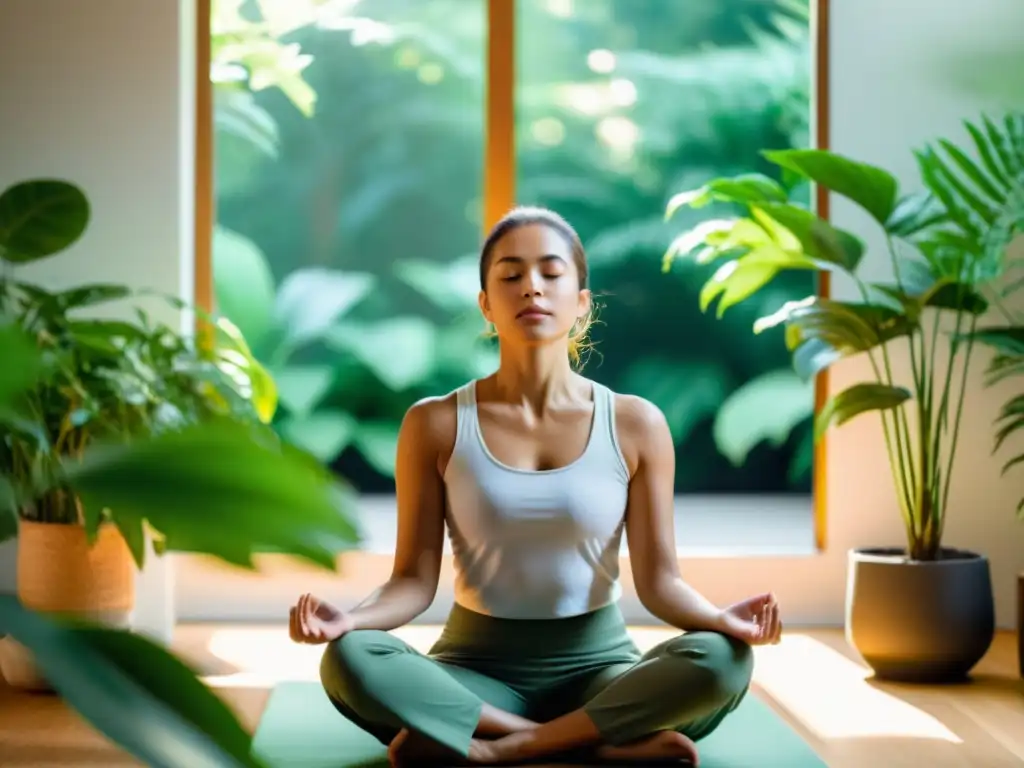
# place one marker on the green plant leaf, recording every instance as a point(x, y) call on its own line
point(22, 363)
point(858, 399)
point(735, 281)
point(914, 214)
point(310, 301)
point(324, 433)
point(767, 408)
point(377, 441)
point(687, 392)
point(8, 510)
point(243, 284)
point(133, 691)
point(399, 351)
point(833, 330)
point(818, 238)
point(301, 387)
point(452, 286)
point(751, 188)
point(215, 489)
point(1008, 340)
point(41, 217)
point(873, 189)
point(134, 536)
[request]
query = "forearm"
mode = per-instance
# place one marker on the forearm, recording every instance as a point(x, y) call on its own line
point(678, 604)
point(395, 604)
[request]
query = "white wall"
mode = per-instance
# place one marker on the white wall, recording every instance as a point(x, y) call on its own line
point(108, 112)
point(100, 93)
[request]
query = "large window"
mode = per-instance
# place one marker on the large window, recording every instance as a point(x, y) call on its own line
point(352, 192)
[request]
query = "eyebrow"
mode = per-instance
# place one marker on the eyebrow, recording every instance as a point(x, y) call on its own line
point(519, 259)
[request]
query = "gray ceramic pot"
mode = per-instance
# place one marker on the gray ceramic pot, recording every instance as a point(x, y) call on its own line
point(923, 621)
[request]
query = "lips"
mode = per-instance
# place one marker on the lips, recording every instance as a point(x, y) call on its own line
point(533, 312)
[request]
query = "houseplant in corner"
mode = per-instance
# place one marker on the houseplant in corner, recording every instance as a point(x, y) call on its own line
point(99, 380)
point(923, 612)
point(1007, 341)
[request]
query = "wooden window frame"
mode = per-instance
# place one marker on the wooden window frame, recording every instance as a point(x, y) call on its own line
point(499, 190)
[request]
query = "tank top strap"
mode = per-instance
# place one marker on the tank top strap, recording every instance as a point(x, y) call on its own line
point(465, 406)
point(606, 440)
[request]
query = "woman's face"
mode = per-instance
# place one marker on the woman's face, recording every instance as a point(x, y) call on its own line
point(533, 287)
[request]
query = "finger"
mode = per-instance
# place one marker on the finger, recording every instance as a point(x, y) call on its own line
point(291, 625)
point(304, 615)
point(773, 623)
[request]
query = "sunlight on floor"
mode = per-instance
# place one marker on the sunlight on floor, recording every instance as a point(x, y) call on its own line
point(266, 656)
point(821, 689)
point(829, 694)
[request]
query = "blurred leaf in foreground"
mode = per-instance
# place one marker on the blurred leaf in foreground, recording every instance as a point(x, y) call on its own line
point(133, 691)
point(215, 489)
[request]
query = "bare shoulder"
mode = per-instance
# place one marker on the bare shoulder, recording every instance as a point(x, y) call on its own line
point(430, 425)
point(641, 428)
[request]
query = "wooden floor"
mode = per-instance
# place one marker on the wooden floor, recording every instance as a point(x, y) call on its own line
point(811, 679)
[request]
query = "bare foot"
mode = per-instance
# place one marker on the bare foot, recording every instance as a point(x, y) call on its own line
point(412, 748)
point(664, 746)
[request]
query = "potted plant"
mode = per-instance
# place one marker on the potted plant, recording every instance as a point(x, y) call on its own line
point(1008, 342)
point(100, 380)
point(923, 612)
point(211, 485)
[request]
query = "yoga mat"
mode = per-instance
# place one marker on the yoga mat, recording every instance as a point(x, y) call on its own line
point(300, 729)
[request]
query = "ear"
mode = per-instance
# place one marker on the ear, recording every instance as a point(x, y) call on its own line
point(584, 304)
point(485, 306)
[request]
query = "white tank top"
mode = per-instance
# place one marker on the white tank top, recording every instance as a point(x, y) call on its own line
point(536, 544)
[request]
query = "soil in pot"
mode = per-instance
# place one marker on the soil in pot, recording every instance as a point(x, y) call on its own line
point(60, 573)
point(919, 621)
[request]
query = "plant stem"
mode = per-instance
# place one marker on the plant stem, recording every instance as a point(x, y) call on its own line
point(898, 461)
point(944, 500)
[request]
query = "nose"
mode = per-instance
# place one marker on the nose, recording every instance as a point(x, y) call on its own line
point(532, 285)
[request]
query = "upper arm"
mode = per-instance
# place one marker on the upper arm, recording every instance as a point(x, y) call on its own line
point(425, 437)
point(649, 451)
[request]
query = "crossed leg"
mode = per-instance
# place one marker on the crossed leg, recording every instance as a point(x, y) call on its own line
point(677, 693)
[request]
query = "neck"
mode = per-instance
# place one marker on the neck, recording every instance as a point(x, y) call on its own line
point(534, 375)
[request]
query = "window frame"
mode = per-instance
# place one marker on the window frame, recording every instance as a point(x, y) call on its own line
point(499, 188)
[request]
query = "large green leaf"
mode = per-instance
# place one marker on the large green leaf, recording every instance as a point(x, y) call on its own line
point(133, 691)
point(378, 443)
point(914, 213)
point(215, 489)
point(766, 408)
point(8, 510)
point(324, 433)
point(21, 363)
point(399, 351)
point(243, 284)
point(858, 399)
point(39, 218)
point(873, 189)
point(820, 331)
point(1007, 340)
point(918, 286)
point(819, 239)
point(747, 189)
point(686, 391)
point(302, 387)
point(739, 279)
point(311, 300)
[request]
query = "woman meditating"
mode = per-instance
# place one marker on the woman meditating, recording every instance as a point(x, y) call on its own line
point(536, 471)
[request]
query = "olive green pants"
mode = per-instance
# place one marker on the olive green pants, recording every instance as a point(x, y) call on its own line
point(538, 669)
